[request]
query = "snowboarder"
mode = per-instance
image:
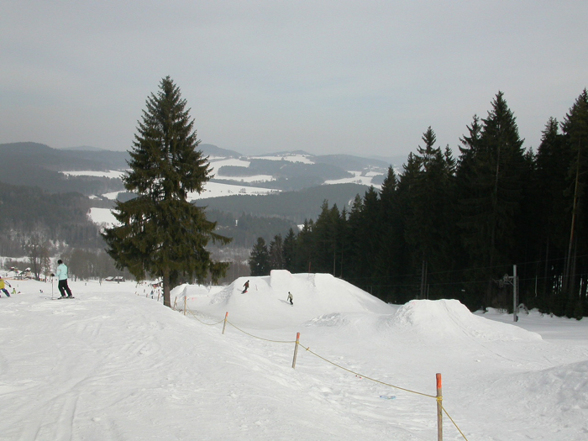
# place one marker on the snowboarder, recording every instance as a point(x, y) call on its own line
point(290, 298)
point(3, 286)
point(246, 287)
point(62, 276)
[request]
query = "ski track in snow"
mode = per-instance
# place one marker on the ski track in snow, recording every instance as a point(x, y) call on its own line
point(115, 365)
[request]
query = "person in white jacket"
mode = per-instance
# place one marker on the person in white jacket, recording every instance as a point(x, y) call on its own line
point(61, 274)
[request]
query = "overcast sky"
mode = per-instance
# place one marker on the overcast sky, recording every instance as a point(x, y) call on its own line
point(358, 77)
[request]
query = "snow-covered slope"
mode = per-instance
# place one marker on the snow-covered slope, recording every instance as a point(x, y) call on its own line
point(115, 364)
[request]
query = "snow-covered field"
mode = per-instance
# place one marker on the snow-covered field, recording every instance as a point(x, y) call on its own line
point(102, 216)
point(358, 178)
point(214, 189)
point(114, 364)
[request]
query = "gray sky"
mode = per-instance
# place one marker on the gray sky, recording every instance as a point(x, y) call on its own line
point(359, 77)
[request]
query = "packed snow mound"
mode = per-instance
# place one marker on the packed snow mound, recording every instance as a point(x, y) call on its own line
point(315, 295)
point(446, 318)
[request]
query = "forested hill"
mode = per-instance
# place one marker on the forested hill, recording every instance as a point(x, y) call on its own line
point(26, 211)
point(62, 160)
point(38, 165)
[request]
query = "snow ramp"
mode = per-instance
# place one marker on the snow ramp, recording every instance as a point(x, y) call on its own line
point(265, 302)
point(441, 319)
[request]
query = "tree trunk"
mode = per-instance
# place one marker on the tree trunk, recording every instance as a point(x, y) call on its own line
point(166, 289)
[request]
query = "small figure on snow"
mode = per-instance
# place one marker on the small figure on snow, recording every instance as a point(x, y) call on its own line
point(245, 287)
point(290, 298)
point(3, 286)
point(62, 276)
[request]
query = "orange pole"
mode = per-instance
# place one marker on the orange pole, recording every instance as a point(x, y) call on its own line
point(439, 409)
point(296, 350)
point(225, 324)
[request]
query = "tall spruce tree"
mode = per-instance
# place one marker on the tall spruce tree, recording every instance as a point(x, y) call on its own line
point(289, 250)
point(276, 253)
point(406, 185)
point(429, 222)
point(492, 201)
point(162, 234)
point(391, 264)
point(552, 164)
point(259, 259)
point(575, 130)
point(328, 240)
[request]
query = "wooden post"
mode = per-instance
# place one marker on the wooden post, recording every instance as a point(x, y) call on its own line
point(225, 324)
point(185, 301)
point(515, 306)
point(439, 409)
point(296, 350)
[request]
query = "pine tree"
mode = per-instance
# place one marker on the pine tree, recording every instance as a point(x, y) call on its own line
point(552, 162)
point(429, 227)
point(327, 234)
point(276, 253)
point(391, 263)
point(365, 239)
point(407, 183)
point(304, 248)
point(495, 169)
point(290, 250)
point(575, 130)
point(162, 234)
point(352, 260)
point(259, 260)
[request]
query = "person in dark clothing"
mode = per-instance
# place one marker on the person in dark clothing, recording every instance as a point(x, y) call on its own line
point(245, 287)
point(290, 298)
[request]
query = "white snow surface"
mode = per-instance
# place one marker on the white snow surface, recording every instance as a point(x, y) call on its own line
point(115, 364)
point(217, 189)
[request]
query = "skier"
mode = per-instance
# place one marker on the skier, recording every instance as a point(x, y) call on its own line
point(246, 287)
point(290, 298)
point(62, 276)
point(3, 286)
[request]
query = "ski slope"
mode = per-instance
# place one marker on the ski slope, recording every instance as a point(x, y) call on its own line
point(114, 364)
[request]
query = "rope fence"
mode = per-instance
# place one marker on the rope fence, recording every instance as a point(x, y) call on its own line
point(439, 397)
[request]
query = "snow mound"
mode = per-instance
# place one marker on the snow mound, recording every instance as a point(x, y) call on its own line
point(446, 318)
point(315, 295)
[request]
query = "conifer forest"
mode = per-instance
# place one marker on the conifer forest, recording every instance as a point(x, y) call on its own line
point(455, 226)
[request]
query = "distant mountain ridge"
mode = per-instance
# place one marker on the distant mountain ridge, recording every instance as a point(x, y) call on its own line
point(296, 180)
point(46, 157)
point(36, 164)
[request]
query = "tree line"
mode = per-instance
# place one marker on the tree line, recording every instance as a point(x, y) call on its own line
point(448, 227)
